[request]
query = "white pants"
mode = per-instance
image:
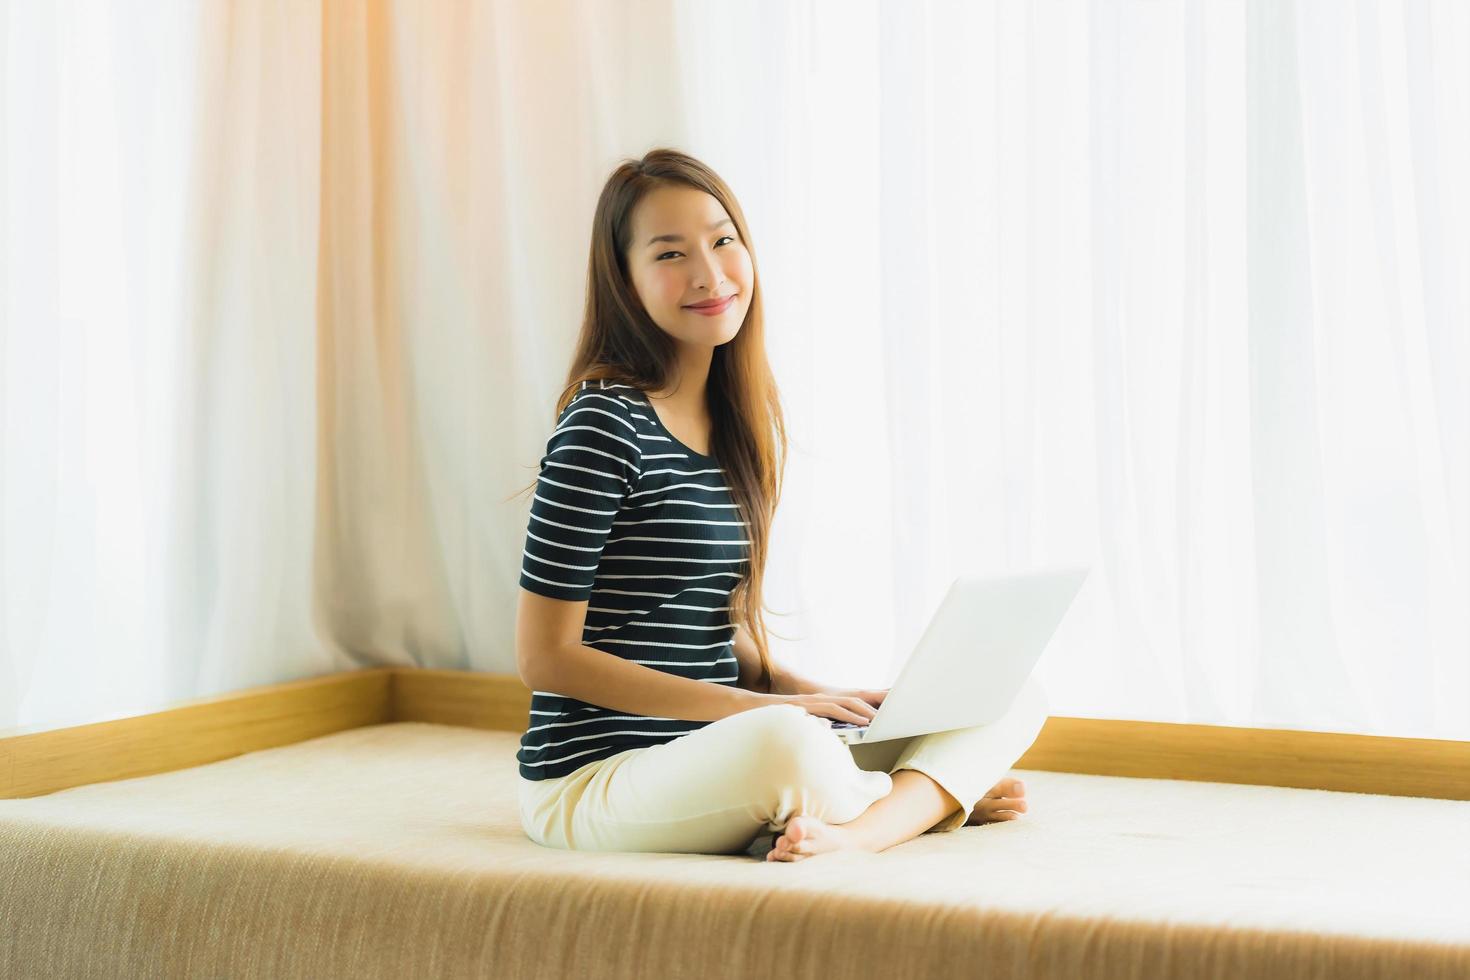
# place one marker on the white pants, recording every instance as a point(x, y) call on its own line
point(719, 789)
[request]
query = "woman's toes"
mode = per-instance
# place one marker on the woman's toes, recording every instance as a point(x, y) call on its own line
point(1008, 788)
point(806, 836)
point(789, 846)
point(993, 808)
point(785, 852)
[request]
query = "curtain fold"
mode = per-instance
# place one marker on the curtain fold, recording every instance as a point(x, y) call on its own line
point(1180, 291)
point(157, 354)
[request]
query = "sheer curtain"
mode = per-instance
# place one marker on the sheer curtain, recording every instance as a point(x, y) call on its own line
point(158, 185)
point(1179, 291)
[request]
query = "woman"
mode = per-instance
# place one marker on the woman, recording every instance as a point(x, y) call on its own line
point(658, 720)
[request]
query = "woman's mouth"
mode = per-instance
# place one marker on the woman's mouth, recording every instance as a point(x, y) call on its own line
point(714, 309)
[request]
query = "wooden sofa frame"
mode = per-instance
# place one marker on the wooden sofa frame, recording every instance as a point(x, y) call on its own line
point(35, 761)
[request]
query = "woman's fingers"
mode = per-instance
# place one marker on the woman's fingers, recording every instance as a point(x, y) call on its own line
point(853, 709)
point(839, 710)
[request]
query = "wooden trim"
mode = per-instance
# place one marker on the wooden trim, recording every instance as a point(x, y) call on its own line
point(458, 697)
point(1437, 768)
point(209, 729)
point(193, 732)
point(1096, 746)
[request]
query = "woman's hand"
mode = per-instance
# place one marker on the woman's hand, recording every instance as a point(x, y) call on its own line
point(854, 704)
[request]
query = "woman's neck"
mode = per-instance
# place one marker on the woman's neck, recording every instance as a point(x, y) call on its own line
point(685, 395)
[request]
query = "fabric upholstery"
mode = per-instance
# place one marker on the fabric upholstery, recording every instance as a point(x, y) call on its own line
point(395, 851)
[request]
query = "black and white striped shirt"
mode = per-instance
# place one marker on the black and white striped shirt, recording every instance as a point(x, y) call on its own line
point(644, 528)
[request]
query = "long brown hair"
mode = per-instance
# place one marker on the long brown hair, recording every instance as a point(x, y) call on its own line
point(620, 343)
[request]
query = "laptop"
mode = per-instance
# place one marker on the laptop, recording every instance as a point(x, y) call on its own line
point(979, 648)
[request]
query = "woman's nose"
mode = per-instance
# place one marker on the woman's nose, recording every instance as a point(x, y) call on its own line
point(710, 273)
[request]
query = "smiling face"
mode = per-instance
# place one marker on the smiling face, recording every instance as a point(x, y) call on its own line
point(687, 251)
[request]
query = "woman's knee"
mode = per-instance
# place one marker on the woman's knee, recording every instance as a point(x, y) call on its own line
point(788, 744)
point(800, 766)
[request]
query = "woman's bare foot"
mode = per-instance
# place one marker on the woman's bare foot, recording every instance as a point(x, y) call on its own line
point(805, 836)
point(1005, 801)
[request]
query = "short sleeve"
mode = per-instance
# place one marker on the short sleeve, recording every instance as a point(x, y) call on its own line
point(592, 463)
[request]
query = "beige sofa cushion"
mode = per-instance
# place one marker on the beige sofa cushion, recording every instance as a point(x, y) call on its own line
point(396, 851)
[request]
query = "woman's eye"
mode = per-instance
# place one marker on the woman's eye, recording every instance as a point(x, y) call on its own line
point(717, 242)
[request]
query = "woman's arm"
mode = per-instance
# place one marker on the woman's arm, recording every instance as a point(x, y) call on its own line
point(787, 681)
point(784, 681)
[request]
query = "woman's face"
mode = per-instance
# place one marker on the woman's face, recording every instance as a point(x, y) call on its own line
point(698, 256)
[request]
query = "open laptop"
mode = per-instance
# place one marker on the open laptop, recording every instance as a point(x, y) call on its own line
point(978, 649)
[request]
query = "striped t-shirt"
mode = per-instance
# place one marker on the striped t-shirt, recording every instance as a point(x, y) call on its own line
point(644, 528)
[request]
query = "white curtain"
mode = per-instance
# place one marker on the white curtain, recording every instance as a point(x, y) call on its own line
point(1177, 290)
point(158, 186)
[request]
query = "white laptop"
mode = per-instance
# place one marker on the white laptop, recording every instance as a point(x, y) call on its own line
point(978, 649)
